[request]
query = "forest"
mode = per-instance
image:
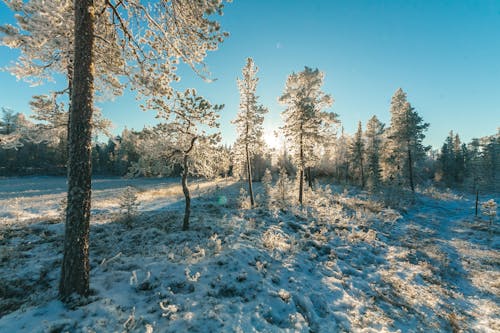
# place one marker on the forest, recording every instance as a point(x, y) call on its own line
point(167, 229)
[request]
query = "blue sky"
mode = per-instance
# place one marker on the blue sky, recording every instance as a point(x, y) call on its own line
point(444, 54)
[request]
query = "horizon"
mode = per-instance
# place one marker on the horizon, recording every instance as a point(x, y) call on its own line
point(443, 55)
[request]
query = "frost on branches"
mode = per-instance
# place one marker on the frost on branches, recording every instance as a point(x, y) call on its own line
point(128, 205)
point(248, 125)
point(374, 138)
point(404, 149)
point(306, 126)
point(181, 141)
point(99, 41)
point(357, 153)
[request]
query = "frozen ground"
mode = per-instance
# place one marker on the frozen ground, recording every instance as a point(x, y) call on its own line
point(346, 264)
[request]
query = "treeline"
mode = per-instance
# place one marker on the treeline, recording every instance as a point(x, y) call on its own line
point(49, 157)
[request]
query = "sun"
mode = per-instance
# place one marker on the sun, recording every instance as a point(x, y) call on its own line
point(272, 138)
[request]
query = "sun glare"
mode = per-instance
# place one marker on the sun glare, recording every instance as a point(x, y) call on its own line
point(272, 138)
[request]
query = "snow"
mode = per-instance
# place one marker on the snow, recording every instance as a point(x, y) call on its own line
point(345, 264)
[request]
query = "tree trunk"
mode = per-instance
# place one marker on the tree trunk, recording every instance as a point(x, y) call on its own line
point(410, 167)
point(187, 196)
point(185, 189)
point(347, 173)
point(477, 200)
point(301, 185)
point(75, 265)
point(249, 176)
point(362, 173)
point(309, 178)
point(301, 173)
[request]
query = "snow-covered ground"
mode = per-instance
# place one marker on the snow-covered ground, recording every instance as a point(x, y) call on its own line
point(346, 264)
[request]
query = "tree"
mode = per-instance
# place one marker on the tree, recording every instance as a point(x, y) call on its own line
point(8, 122)
point(447, 161)
point(357, 151)
point(306, 125)
point(249, 122)
point(404, 146)
point(181, 140)
point(148, 39)
point(374, 138)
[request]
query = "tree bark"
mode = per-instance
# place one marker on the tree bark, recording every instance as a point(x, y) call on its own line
point(75, 270)
point(309, 178)
point(477, 200)
point(185, 189)
point(301, 173)
point(362, 172)
point(249, 176)
point(187, 196)
point(410, 167)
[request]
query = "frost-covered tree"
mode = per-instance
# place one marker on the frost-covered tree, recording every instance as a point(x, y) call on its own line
point(280, 194)
point(129, 205)
point(248, 123)
point(182, 140)
point(452, 161)
point(374, 138)
point(8, 121)
point(267, 184)
point(148, 38)
point(404, 148)
point(357, 153)
point(306, 125)
point(341, 157)
point(16, 130)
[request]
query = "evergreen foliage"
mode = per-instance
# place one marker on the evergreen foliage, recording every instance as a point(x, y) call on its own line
point(374, 140)
point(306, 125)
point(404, 149)
point(248, 125)
point(129, 205)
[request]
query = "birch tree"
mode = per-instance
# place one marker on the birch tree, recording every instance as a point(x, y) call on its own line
point(146, 39)
point(249, 122)
point(306, 124)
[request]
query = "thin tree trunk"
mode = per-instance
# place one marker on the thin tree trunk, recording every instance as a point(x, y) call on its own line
point(75, 266)
point(249, 176)
point(477, 200)
point(347, 173)
point(410, 166)
point(309, 178)
point(301, 186)
point(187, 196)
point(362, 173)
point(185, 189)
point(301, 173)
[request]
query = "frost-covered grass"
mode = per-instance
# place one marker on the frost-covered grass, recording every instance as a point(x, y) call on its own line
point(345, 263)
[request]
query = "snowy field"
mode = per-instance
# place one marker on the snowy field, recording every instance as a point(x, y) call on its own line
point(344, 264)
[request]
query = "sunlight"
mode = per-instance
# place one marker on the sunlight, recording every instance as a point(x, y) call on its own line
point(272, 138)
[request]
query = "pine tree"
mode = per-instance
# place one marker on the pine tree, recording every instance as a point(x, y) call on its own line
point(182, 140)
point(280, 194)
point(357, 152)
point(306, 125)
point(342, 157)
point(374, 139)
point(8, 122)
point(447, 161)
point(128, 205)
point(404, 148)
point(249, 122)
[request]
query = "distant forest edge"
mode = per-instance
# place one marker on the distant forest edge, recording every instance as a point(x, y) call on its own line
point(458, 165)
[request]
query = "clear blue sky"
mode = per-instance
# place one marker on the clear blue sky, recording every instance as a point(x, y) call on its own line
point(444, 54)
